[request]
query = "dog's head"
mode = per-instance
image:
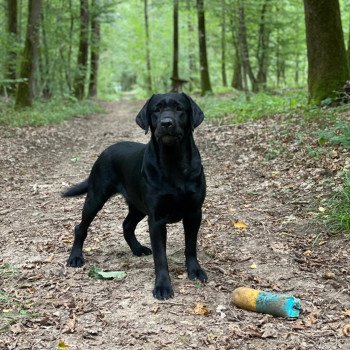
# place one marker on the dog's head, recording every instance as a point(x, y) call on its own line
point(170, 117)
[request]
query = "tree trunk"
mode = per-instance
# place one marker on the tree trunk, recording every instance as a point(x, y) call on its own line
point(263, 47)
point(175, 76)
point(349, 49)
point(25, 90)
point(45, 61)
point(204, 70)
point(223, 43)
point(243, 48)
point(83, 51)
point(296, 75)
point(12, 31)
point(95, 47)
point(237, 82)
point(328, 68)
point(148, 53)
point(191, 56)
point(237, 79)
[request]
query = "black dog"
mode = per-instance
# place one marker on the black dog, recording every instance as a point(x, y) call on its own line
point(163, 179)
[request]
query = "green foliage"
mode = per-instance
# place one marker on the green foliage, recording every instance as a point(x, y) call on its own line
point(46, 112)
point(8, 270)
point(338, 216)
point(338, 134)
point(237, 109)
point(98, 273)
point(11, 310)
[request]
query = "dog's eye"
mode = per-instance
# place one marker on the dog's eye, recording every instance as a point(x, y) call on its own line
point(179, 108)
point(157, 110)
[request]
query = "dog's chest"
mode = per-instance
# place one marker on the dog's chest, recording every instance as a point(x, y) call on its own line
point(173, 206)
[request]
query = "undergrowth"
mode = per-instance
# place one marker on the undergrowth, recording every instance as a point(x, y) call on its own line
point(46, 112)
point(338, 217)
point(12, 310)
point(236, 108)
point(338, 134)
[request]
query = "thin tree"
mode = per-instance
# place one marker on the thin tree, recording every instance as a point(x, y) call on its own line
point(175, 75)
point(349, 47)
point(237, 79)
point(244, 50)
point(95, 47)
point(83, 51)
point(223, 43)
point(263, 46)
point(26, 88)
point(148, 52)
point(12, 31)
point(44, 59)
point(191, 55)
point(328, 67)
point(203, 60)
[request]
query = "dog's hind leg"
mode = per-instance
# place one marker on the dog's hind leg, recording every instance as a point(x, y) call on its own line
point(93, 204)
point(133, 218)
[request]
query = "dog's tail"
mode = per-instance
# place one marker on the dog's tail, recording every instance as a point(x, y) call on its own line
point(77, 190)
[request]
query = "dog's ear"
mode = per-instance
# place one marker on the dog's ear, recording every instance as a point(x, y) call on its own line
point(142, 119)
point(197, 114)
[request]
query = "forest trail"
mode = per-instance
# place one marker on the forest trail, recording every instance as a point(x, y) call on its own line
point(283, 249)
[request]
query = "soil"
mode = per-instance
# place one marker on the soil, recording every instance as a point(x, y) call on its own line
point(267, 174)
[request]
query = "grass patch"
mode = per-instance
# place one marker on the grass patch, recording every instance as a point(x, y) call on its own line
point(11, 311)
point(338, 134)
point(338, 217)
point(238, 109)
point(46, 112)
point(8, 270)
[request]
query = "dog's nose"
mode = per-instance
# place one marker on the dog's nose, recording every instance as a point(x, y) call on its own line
point(167, 123)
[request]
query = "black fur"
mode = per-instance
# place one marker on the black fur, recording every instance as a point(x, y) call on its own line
point(163, 180)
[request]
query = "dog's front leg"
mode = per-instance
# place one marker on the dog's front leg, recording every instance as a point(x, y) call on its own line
point(162, 289)
point(191, 223)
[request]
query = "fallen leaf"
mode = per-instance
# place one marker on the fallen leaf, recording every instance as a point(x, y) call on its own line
point(311, 319)
point(155, 309)
point(95, 272)
point(239, 224)
point(67, 240)
point(62, 345)
point(321, 209)
point(346, 312)
point(201, 309)
point(346, 330)
point(69, 327)
point(253, 265)
point(329, 275)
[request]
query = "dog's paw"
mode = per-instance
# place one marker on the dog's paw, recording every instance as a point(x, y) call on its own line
point(141, 250)
point(75, 261)
point(163, 292)
point(196, 272)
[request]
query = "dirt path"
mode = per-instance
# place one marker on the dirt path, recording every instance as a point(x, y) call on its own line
point(257, 172)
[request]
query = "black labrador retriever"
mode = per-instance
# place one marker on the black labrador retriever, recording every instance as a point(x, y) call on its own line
point(163, 179)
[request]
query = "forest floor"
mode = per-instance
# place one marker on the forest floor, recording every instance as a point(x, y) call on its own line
point(267, 173)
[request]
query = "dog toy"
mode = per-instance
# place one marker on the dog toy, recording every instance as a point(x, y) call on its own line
point(279, 305)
